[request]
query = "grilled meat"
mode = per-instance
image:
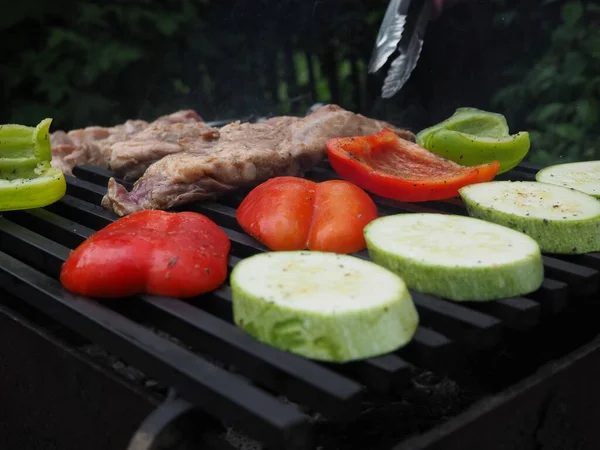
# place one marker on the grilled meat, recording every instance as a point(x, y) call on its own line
point(91, 145)
point(130, 158)
point(244, 155)
point(94, 145)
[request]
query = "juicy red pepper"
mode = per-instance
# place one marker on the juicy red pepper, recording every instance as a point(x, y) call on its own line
point(155, 252)
point(289, 213)
point(389, 166)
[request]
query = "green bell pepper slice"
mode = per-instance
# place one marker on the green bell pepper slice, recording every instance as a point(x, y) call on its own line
point(471, 137)
point(27, 180)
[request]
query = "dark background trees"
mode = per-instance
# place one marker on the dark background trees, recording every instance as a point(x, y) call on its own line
point(101, 62)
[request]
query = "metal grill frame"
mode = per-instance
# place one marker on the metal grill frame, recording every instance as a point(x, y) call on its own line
point(35, 243)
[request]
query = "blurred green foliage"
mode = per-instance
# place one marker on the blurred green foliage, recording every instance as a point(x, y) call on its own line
point(102, 62)
point(557, 95)
point(85, 62)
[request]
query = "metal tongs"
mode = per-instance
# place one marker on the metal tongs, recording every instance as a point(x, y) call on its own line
point(391, 36)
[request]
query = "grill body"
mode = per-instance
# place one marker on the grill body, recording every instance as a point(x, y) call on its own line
point(193, 347)
point(52, 397)
point(557, 408)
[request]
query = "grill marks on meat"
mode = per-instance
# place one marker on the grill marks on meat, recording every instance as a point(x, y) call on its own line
point(91, 145)
point(183, 116)
point(94, 145)
point(130, 158)
point(244, 155)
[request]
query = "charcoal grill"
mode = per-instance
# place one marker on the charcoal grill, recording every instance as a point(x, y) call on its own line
point(218, 375)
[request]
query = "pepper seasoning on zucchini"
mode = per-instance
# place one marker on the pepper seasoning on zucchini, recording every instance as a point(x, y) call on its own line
point(560, 219)
point(26, 178)
point(458, 258)
point(471, 137)
point(322, 305)
point(582, 176)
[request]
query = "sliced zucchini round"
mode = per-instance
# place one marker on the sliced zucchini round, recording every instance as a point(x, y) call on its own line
point(581, 176)
point(322, 306)
point(456, 257)
point(561, 220)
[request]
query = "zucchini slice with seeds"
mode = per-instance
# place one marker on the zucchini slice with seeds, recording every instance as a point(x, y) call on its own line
point(323, 306)
point(561, 220)
point(456, 257)
point(581, 176)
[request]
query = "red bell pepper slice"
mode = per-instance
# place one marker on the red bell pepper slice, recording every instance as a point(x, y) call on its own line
point(155, 252)
point(387, 165)
point(289, 213)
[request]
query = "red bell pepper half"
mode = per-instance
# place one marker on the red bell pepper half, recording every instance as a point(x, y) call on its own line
point(389, 166)
point(156, 252)
point(289, 213)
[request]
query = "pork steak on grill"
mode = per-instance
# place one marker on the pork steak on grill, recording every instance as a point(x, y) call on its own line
point(130, 158)
point(95, 145)
point(245, 154)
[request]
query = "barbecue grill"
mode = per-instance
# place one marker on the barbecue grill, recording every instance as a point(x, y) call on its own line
point(159, 373)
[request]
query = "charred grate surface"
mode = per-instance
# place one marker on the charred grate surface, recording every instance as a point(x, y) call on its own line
point(34, 244)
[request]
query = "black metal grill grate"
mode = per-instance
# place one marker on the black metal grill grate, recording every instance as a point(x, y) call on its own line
point(34, 244)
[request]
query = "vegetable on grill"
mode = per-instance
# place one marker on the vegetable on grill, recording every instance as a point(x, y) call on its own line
point(456, 257)
point(471, 137)
point(156, 252)
point(581, 176)
point(561, 220)
point(26, 178)
point(322, 306)
point(389, 166)
point(289, 213)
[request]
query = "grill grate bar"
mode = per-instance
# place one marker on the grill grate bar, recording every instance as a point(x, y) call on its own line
point(92, 216)
point(333, 395)
point(372, 372)
point(581, 280)
point(448, 330)
point(297, 378)
point(224, 215)
point(589, 259)
point(552, 296)
point(383, 374)
point(470, 327)
point(85, 190)
point(97, 175)
point(516, 176)
point(41, 253)
point(516, 313)
point(389, 376)
point(242, 245)
point(528, 167)
point(214, 389)
point(431, 349)
point(570, 269)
